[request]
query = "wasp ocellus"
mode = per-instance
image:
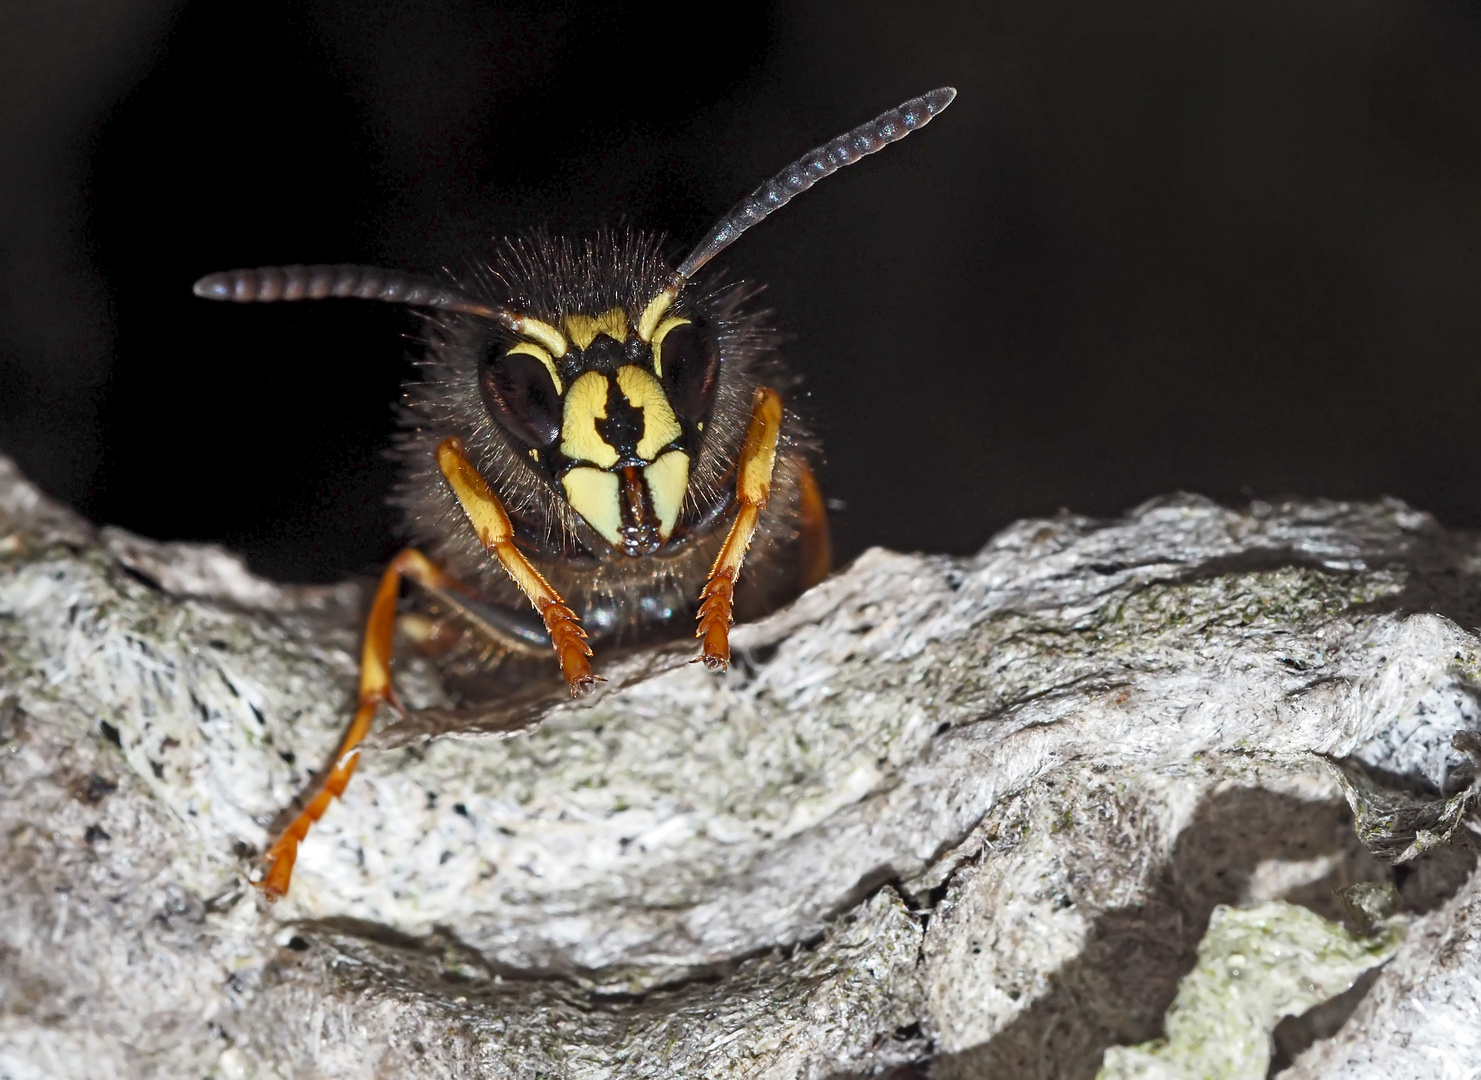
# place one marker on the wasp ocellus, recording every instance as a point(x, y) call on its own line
point(597, 448)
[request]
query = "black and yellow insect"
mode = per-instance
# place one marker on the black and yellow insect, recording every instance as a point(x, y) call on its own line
point(609, 429)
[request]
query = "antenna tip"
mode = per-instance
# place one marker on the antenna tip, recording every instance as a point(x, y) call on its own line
point(213, 287)
point(920, 111)
point(939, 98)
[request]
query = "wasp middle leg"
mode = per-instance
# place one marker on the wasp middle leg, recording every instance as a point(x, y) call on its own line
point(375, 690)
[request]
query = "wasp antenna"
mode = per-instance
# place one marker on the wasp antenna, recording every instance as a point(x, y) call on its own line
point(807, 170)
point(268, 283)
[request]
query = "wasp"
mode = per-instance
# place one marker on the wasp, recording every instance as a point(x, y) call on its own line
point(597, 447)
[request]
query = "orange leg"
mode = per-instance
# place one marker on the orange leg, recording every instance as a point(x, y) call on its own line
point(496, 532)
point(753, 486)
point(375, 689)
point(817, 546)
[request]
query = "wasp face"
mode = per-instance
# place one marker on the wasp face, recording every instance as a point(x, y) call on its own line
point(612, 410)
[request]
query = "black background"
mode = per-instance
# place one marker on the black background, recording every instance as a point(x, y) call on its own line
point(1231, 247)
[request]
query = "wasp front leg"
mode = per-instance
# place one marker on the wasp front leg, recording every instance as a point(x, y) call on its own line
point(752, 488)
point(496, 532)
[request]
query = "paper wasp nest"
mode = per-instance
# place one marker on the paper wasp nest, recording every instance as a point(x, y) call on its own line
point(951, 817)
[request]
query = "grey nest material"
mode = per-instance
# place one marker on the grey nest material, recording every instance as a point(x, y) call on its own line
point(971, 815)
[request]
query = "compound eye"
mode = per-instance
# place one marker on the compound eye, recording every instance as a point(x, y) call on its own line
point(691, 368)
point(518, 390)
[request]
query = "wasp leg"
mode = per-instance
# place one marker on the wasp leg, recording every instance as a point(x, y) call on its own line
point(752, 487)
point(496, 532)
point(817, 545)
point(513, 631)
point(375, 689)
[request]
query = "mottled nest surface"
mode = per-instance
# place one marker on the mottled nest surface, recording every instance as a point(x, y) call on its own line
point(951, 817)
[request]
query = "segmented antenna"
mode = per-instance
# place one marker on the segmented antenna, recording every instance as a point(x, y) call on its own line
point(807, 170)
point(268, 283)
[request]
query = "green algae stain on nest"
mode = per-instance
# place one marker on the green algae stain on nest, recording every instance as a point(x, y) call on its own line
point(1254, 967)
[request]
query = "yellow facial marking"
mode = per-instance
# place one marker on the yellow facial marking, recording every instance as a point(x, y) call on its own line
point(660, 425)
point(586, 403)
point(584, 328)
point(648, 322)
point(668, 478)
point(592, 493)
point(658, 336)
point(527, 348)
point(542, 332)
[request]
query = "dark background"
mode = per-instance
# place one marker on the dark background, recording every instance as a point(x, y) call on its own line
point(1230, 247)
